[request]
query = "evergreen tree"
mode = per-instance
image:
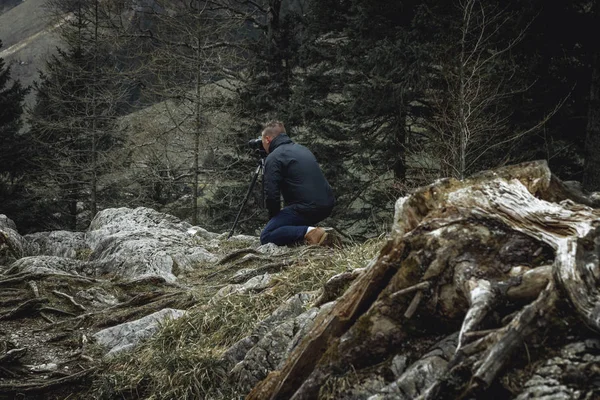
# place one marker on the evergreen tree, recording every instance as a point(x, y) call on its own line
point(78, 99)
point(12, 151)
point(15, 152)
point(362, 77)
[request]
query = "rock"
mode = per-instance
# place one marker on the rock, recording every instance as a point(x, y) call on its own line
point(49, 367)
point(49, 265)
point(273, 347)
point(120, 243)
point(6, 222)
point(272, 249)
point(293, 307)
point(12, 244)
point(256, 284)
point(59, 243)
point(126, 336)
point(140, 243)
point(571, 375)
point(420, 375)
point(202, 233)
point(250, 241)
point(97, 297)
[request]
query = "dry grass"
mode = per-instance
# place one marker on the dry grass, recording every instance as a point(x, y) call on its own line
point(183, 361)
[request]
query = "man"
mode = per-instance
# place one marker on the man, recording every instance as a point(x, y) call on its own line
point(292, 171)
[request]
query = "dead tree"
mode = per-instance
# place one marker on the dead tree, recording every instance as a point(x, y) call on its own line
point(492, 258)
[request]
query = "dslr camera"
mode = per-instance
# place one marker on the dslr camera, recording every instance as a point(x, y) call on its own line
point(256, 145)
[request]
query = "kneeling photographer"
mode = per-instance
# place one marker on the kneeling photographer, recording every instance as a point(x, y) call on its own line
point(292, 170)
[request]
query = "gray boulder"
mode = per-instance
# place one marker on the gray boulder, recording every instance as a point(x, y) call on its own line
point(58, 243)
point(49, 265)
point(125, 337)
point(293, 307)
point(413, 381)
point(141, 242)
point(12, 244)
point(271, 350)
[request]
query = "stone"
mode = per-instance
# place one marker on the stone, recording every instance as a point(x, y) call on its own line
point(293, 307)
point(418, 376)
point(202, 233)
point(6, 222)
point(58, 243)
point(12, 244)
point(272, 249)
point(97, 297)
point(142, 243)
point(255, 284)
point(126, 336)
point(49, 265)
point(271, 350)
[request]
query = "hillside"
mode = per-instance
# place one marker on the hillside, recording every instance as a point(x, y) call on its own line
point(486, 288)
point(26, 40)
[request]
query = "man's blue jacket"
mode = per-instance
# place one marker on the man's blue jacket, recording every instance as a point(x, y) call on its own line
point(292, 171)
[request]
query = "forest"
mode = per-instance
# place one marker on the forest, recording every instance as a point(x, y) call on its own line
point(152, 103)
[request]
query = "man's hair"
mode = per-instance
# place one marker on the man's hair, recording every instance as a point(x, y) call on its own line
point(273, 128)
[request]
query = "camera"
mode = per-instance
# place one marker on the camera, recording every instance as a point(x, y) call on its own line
point(256, 144)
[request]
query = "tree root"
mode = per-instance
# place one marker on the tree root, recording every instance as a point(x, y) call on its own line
point(263, 269)
point(481, 299)
point(235, 255)
point(71, 299)
point(461, 251)
point(30, 306)
point(57, 311)
point(40, 386)
point(32, 276)
point(12, 355)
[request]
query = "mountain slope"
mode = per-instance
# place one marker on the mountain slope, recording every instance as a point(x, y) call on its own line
point(27, 40)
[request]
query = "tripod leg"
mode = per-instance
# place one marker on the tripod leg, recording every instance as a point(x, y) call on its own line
point(256, 173)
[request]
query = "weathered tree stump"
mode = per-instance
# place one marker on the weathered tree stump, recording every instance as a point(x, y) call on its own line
point(492, 258)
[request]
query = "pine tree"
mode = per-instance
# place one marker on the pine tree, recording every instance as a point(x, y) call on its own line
point(12, 151)
point(78, 99)
point(361, 76)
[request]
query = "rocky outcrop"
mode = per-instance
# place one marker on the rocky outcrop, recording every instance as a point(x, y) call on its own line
point(121, 243)
point(486, 288)
point(289, 310)
point(58, 243)
point(142, 242)
point(567, 376)
point(272, 348)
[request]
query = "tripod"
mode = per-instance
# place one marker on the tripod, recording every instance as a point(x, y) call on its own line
point(259, 169)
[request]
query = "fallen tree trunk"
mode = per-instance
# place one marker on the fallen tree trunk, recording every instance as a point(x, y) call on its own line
point(492, 257)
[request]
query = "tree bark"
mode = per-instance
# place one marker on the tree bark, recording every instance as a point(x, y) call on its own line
point(460, 252)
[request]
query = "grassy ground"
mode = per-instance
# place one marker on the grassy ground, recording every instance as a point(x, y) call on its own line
point(184, 360)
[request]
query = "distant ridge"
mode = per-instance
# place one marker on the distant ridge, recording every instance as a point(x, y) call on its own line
point(6, 5)
point(26, 39)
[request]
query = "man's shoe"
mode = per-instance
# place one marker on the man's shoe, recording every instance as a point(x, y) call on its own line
point(332, 240)
point(316, 236)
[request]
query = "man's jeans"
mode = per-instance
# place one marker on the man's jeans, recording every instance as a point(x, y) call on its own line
point(289, 227)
